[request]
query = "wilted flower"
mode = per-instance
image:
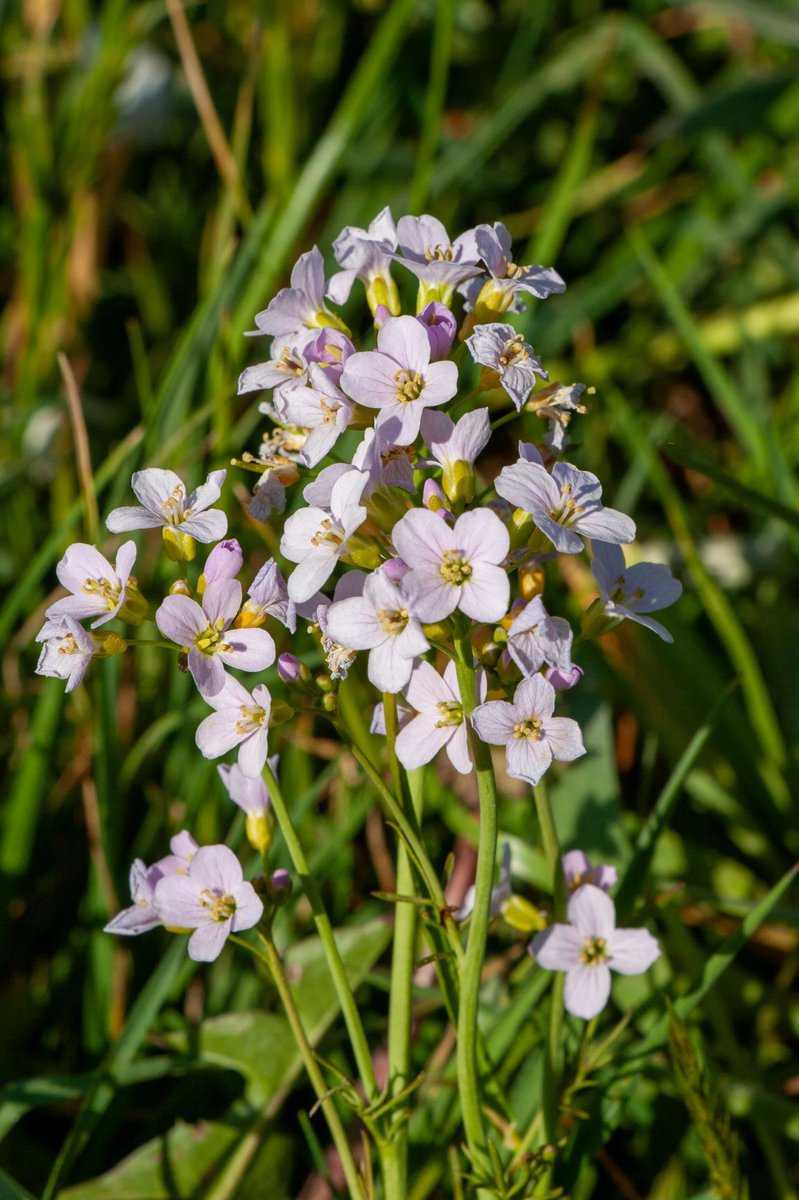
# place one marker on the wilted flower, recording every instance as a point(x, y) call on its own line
point(165, 503)
point(98, 589)
point(454, 568)
point(66, 652)
point(633, 592)
point(379, 621)
point(213, 899)
point(566, 505)
point(205, 631)
point(440, 721)
point(241, 719)
point(589, 947)
point(532, 737)
point(398, 378)
point(505, 351)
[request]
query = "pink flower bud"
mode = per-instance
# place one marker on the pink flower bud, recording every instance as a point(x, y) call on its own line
point(563, 680)
point(382, 314)
point(394, 569)
point(224, 561)
point(441, 328)
point(289, 667)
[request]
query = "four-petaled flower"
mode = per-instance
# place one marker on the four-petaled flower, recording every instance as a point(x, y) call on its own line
point(566, 505)
point(379, 621)
point(316, 538)
point(241, 719)
point(589, 948)
point(500, 292)
point(205, 632)
point(366, 254)
point(633, 592)
point(424, 247)
point(398, 378)
point(165, 502)
point(535, 638)
point(505, 351)
point(212, 898)
point(320, 407)
point(454, 567)
point(97, 589)
point(532, 737)
point(66, 652)
point(440, 721)
point(301, 306)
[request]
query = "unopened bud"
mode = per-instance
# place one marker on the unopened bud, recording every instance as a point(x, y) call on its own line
point(280, 886)
point(324, 682)
point(520, 526)
point(522, 915)
point(135, 608)
point(181, 587)
point(224, 562)
point(329, 702)
point(563, 680)
point(458, 481)
point(531, 580)
point(258, 826)
point(109, 644)
point(290, 669)
point(180, 547)
point(281, 712)
point(433, 497)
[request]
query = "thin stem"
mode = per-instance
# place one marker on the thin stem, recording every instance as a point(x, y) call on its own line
point(349, 1009)
point(402, 963)
point(82, 453)
point(472, 966)
point(273, 961)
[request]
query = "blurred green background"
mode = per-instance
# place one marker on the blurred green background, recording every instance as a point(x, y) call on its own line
point(651, 153)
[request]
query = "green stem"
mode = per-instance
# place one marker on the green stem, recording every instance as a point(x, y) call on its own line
point(554, 1044)
point(472, 966)
point(402, 964)
point(273, 961)
point(335, 964)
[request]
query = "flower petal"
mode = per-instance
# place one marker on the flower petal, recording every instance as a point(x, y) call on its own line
point(592, 912)
point(420, 741)
point(528, 760)
point(557, 948)
point(494, 722)
point(250, 649)
point(207, 941)
point(632, 951)
point(180, 619)
point(587, 990)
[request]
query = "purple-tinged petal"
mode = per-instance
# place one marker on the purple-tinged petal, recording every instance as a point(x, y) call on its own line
point(249, 649)
point(207, 941)
point(494, 722)
point(180, 619)
point(216, 867)
point(218, 733)
point(126, 518)
point(254, 752)
point(222, 600)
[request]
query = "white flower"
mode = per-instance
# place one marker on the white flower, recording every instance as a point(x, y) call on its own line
point(379, 621)
point(566, 505)
point(634, 591)
point(316, 538)
point(532, 737)
point(98, 589)
point(241, 719)
point(67, 651)
point(589, 948)
point(165, 502)
point(439, 722)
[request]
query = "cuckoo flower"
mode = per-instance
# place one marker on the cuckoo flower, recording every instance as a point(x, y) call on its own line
point(577, 870)
point(501, 291)
point(182, 850)
point(634, 591)
point(165, 502)
point(249, 793)
point(301, 306)
point(66, 652)
point(441, 326)
point(379, 621)
point(454, 567)
point(532, 737)
point(387, 463)
point(142, 914)
point(205, 632)
point(97, 589)
point(315, 538)
point(424, 247)
point(566, 505)
point(213, 899)
point(328, 351)
point(439, 722)
point(267, 596)
point(322, 409)
point(241, 719)
point(535, 638)
point(456, 447)
point(398, 378)
point(286, 367)
point(224, 562)
point(505, 351)
point(589, 948)
point(365, 254)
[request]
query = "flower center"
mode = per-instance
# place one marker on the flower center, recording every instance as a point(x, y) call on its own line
point(290, 362)
point(392, 620)
point(395, 452)
point(210, 639)
point(410, 385)
point(220, 905)
point(455, 568)
point(173, 506)
point(530, 728)
point(594, 951)
point(569, 509)
point(328, 534)
point(514, 351)
point(252, 716)
point(68, 645)
point(103, 588)
point(513, 270)
point(438, 253)
point(451, 713)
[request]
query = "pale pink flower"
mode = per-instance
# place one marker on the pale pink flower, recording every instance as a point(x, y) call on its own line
point(379, 621)
point(301, 306)
point(316, 538)
point(566, 505)
point(535, 638)
point(454, 567)
point(451, 442)
point(224, 561)
point(440, 722)
point(531, 735)
point(97, 589)
point(66, 652)
point(505, 351)
point(364, 254)
point(633, 592)
point(250, 793)
point(398, 378)
point(165, 502)
point(589, 948)
point(213, 899)
point(320, 407)
point(205, 632)
point(241, 719)
point(142, 915)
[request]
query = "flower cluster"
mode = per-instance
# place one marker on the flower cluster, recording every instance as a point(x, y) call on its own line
point(399, 540)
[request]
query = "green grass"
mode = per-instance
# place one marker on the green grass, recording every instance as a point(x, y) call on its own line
point(650, 154)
